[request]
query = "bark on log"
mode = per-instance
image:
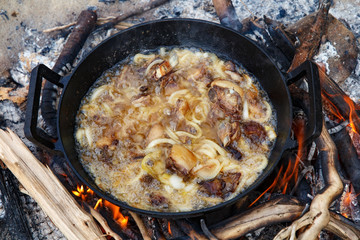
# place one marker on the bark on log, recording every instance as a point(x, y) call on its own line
point(349, 158)
point(311, 40)
point(272, 212)
point(227, 14)
point(46, 190)
point(331, 92)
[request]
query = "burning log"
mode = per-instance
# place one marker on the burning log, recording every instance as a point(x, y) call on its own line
point(103, 223)
point(332, 93)
point(349, 157)
point(141, 226)
point(189, 230)
point(47, 190)
point(318, 216)
point(153, 228)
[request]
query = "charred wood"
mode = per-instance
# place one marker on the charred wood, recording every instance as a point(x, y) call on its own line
point(13, 223)
point(312, 37)
point(332, 93)
point(191, 231)
point(267, 33)
point(140, 224)
point(85, 24)
point(153, 228)
point(169, 228)
point(126, 233)
point(349, 158)
point(227, 14)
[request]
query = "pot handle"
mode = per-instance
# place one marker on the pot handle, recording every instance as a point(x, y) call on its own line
point(309, 70)
point(31, 129)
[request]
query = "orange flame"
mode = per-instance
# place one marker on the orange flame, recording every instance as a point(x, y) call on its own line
point(169, 228)
point(352, 114)
point(80, 192)
point(346, 201)
point(98, 203)
point(292, 169)
point(353, 117)
point(118, 217)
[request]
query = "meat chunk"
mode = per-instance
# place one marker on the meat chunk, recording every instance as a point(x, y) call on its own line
point(182, 158)
point(254, 131)
point(169, 84)
point(222, 186)
point(228, 132)
point(227, 99)
point(158, 200)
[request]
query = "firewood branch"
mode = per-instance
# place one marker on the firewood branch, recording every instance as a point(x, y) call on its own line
point(43, 186)
point(318, 216)
point(282, 209)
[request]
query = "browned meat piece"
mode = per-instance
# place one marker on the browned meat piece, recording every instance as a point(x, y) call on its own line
point(228, 132)
point(215, 114)
point(169, 84)
point(199, 74)
point(214, 187)
point(254, 131)
point(141, 100)
point(222, 185)
point(235, 152)
point(228, 100)
point(147, 179)
point(158, 200)
point(182, 158)
point(231, 182)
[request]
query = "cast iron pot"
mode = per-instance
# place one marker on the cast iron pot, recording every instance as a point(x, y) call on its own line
point(226, 43)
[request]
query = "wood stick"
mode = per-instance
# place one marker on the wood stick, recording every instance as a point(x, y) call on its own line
point(188, 229)
point(227, 14)
point(84, 26)
point(348, 157)
point(132, 12)
point(43, 186)
point(140, 225)
point(103, 223)
point(342, 227)
point(283, 209)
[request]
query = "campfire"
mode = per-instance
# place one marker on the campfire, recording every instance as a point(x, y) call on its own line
point(313, 193)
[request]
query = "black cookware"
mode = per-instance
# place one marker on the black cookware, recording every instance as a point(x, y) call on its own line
point(226, 43)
